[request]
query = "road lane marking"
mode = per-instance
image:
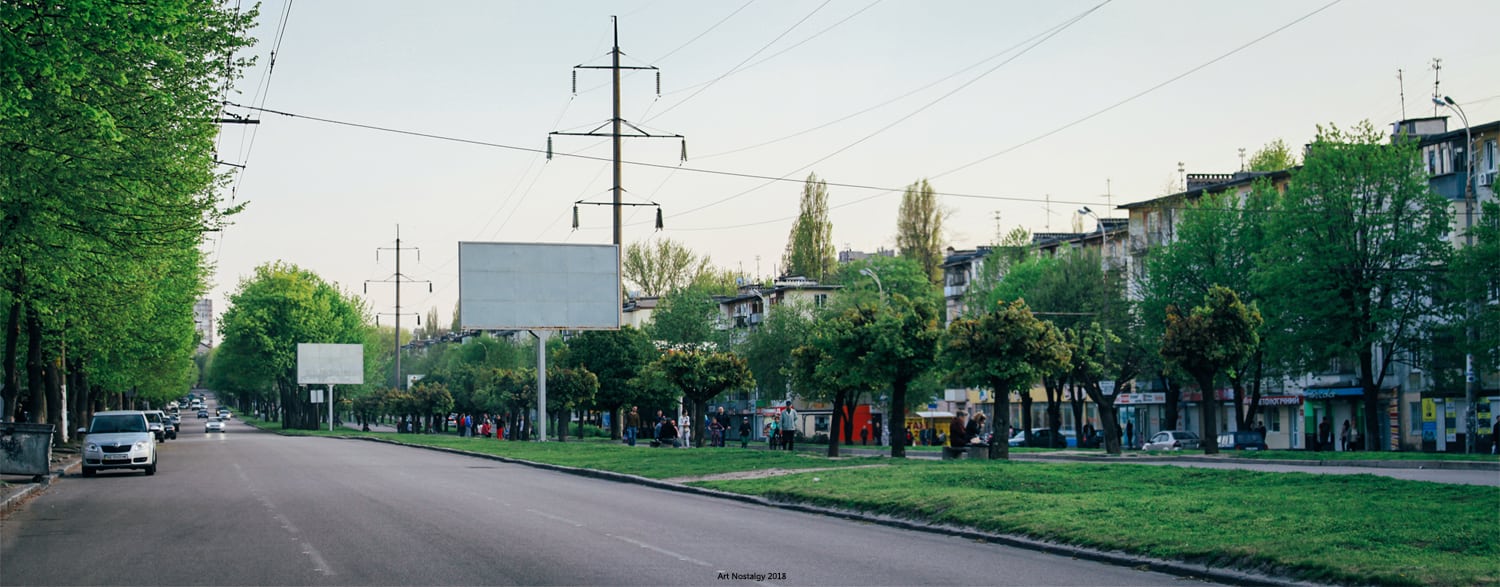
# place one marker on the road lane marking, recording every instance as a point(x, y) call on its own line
point(556, 518)
point(319, 563)
point(676, 555)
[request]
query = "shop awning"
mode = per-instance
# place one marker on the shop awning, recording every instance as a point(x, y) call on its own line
point(1332, 392)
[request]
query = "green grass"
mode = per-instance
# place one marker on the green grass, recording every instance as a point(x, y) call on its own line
point(1338, 528)
point(1303, 455)
point(1331, 528)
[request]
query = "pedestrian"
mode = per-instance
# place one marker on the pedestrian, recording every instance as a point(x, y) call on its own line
point(1325, 434)
point(974, 430)
point(1346, 434)
point(1495, 437)
point(864, 434)
point(632, 423)
point(668, 434)
point(789, 426)
point(875, 432)
point(1088, 434)
point(745, 432)
point(1130, 432)
point(958, 435)
point(773, 433)
point(1260, 427)
point(723, 419)
point(686, 427)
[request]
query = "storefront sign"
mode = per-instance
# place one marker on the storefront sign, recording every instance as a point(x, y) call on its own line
point(1429, 420)
point(1280, 400)
point(1450, 421)
point(1133, 399)
point(1333, 392)
point(1224, 394)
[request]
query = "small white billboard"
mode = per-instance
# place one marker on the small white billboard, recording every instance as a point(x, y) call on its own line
point(333, 364)
point(538, 286)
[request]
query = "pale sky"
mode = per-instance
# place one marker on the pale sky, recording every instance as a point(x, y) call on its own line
point(976, 96)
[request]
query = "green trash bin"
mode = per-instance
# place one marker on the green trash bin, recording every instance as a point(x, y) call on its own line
point(25, 449)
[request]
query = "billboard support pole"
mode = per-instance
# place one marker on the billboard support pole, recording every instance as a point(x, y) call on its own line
point(541, 384)
point(330, 407)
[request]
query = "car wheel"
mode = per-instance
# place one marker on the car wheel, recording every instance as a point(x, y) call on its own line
point(89, 471)
point(151, 469)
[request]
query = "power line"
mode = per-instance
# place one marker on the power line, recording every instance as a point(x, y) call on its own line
point(742, 62)
point(1139, 94)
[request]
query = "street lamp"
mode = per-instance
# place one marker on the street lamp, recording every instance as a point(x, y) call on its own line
point(871, 273)
point(1471, 378)
point(1085, 211)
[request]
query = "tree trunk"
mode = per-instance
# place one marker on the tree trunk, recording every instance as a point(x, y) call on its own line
point(1000, 443)
point(1054, 389)
point(82, 408)
point(11, 385)
point(36, 374)
point(1075, 398)
point(1208, 407)
point(1026, 423)
point(1174, 399)
point(1109, 417)
point(1372, 400)
point(898, 419)
point(55, 401)
point(616, 425)
point(839, 399)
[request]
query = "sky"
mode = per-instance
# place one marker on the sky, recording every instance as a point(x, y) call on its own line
point(1019, 113)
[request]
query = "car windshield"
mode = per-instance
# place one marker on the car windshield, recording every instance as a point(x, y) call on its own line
point(117, 423)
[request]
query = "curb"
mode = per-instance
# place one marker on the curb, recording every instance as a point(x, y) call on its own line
point(1369, 464)
point(1170, 567)
point(13, 501)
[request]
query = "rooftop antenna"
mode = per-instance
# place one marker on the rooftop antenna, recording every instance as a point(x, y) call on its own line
point(1049, 212)
point(1182, 174)
point(1401, 85)
point(999, 234)
point(1437, 70)
point(1109, 194)
point(1242, 158)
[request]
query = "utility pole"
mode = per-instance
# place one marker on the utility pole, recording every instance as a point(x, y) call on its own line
point(615, 134)
point(397, 278)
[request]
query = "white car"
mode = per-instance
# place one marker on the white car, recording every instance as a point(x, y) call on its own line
point(213, 425)
point(119, 440)
point(1172, 440)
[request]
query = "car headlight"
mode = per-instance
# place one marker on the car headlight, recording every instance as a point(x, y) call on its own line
point(140, 445)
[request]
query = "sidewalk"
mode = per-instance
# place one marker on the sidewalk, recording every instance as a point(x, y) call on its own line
point(16, 489)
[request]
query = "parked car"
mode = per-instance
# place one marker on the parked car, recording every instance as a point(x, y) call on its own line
point(169, 430)
point(213, 425)
point(155, 420)
point(176, 418)
point(118, 440)
point(1242, 440)
point(1172, 440)
point(1042, 437)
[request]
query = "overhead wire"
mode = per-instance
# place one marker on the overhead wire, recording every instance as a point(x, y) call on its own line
point(742, 62)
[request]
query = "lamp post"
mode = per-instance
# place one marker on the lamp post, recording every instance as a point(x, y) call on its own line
point(871, 273)
point(1085, 211)
point(1471, 377)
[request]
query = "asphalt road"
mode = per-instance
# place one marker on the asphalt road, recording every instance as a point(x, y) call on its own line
point(253, 508)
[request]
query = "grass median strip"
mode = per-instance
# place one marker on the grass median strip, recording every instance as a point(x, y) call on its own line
point(1336, 528)
point(1333, 528)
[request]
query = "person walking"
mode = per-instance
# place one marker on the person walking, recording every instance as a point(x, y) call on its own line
point(1325, 434)
point(789, 426)
point(632, 423)
point(1345, 435)
point(864, 435)
point(722, 419)
point(875, 432)
point(686, 425)
point(1130, 433)
point(745, 432)
point(773, 433)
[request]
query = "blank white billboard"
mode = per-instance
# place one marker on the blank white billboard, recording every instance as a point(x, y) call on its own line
point(537, 286)
point(335, 364)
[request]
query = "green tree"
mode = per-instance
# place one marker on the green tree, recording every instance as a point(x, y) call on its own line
point(615, 357)
point(919, 229)
point(1351, 252)
point(272, 311)
point(1275, 156)
point(888, 344)
point(1472, 302)
point(1213, 337)
point(897, 275)
point(1218, 242)
point(768, 347)
point(1006, 349)
point(660, 267)
point(701, 376)
point(569, 389)
point(809, 248)
point(687, 317)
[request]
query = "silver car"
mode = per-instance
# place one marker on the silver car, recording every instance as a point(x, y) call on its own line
point(119, 440)
point(1172, 440)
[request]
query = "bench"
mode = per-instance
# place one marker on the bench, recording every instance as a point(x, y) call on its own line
point(953, 453)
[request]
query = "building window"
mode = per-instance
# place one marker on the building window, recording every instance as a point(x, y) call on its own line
point(1414, 413)
point(820, 299)
point(1273, 420)
point(820, 424)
